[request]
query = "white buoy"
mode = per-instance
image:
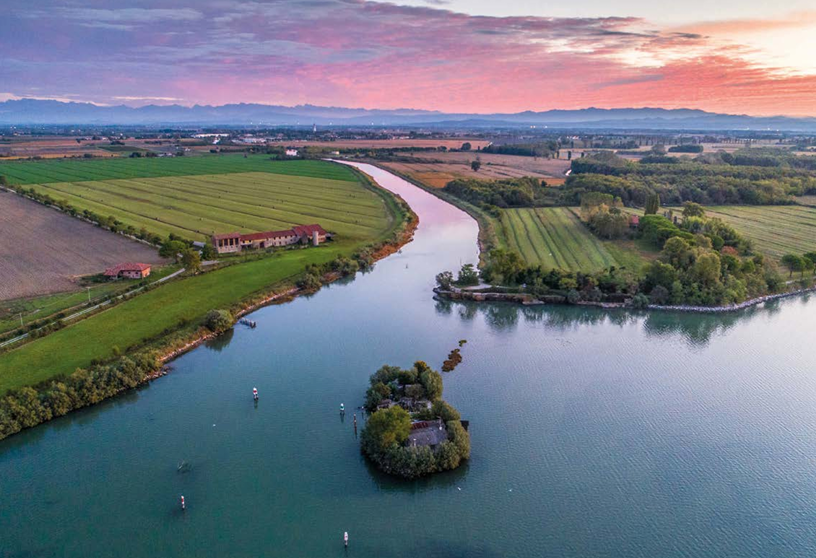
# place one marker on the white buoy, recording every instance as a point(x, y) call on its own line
point(342, 408)
point(255, 393)
point(345, 538)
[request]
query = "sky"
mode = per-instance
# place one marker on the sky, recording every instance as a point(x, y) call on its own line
point(475, 56)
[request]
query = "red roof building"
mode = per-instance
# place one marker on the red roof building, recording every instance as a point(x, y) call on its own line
point(235, 242)
point(128, 270)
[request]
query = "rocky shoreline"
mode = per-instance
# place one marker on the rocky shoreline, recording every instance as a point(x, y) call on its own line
point(530, 300)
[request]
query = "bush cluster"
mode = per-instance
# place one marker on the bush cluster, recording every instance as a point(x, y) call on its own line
point(384, 438)
point(30, 406)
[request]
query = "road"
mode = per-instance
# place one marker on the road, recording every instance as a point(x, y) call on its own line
point(76, 315)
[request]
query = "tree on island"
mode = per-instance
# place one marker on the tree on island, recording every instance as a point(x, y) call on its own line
point(439, 442)
point(387, 427)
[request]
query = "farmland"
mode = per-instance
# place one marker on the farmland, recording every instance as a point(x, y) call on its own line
point(195, 198)
point(43, 250)
point(234, 194)
point(77, 170)
point(775, 230)
point(555, 237)
point(437, 169)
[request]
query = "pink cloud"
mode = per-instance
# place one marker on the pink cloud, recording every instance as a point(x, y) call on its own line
point(378, 55)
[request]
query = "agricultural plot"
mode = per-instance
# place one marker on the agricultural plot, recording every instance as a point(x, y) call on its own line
point(555, 237)
point(198, 206)
point(77, 170)
point(43, 251)
point(775, 230)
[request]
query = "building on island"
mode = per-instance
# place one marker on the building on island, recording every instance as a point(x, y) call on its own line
point(128, 271)
point(427, 433)
point(235, 242)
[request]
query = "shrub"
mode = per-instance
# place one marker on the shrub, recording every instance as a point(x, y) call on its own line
point(218, 320)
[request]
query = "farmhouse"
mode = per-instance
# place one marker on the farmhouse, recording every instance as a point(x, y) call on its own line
point(235, 242)
point(128, 270)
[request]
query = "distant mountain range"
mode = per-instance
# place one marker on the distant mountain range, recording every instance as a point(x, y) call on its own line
point(33, 111)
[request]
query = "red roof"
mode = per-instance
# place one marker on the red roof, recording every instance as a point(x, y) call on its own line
point(117, 269)
point(307, 230)
point(298, 230)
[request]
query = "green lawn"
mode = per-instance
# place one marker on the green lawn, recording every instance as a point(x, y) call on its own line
point(147, 315)
point(555, 237)
point(774, 229)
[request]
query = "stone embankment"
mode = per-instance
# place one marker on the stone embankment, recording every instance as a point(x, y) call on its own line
point(529, 300)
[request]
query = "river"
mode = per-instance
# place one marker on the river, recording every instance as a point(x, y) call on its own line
point(594, 433)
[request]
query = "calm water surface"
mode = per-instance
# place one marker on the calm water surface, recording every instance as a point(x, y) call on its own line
point(594, 434)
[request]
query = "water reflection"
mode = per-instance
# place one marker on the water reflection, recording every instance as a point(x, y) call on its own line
point(220, 342)
point(697, 330)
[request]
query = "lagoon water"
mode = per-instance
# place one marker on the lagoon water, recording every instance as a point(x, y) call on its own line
point(594, 434)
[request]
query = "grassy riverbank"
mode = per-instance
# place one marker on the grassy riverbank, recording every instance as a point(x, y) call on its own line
point(181, 305)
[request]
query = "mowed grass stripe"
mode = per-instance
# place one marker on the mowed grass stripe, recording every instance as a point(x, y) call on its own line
point(252, 189)
point(776, 230)
point(533, 231)
point(145, 201)
point(593, 253)
point(518, 238)
point(247, 202)
point(350, 196)
point(128, 216)
point(201, 223)
point(553, 257)
point(550, 229)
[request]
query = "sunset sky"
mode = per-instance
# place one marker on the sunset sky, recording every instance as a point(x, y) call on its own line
point(746, 56)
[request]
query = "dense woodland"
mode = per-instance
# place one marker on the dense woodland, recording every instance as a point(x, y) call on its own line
point(767, 177)
point(515, 192)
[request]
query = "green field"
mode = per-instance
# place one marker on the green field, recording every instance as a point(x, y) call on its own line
point(555, 237)
point(40, 307)
point(234, 194)
point(75, 170)
point(197, 197)
point(775, 229)
point(146, 316)
point(198, 206)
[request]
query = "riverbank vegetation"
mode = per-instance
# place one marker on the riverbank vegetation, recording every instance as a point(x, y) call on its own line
point(29, 406)
point(703, 261)
point(174, 313)
point(412, 431)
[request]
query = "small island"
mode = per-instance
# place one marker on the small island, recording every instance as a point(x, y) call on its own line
point(412, 431)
